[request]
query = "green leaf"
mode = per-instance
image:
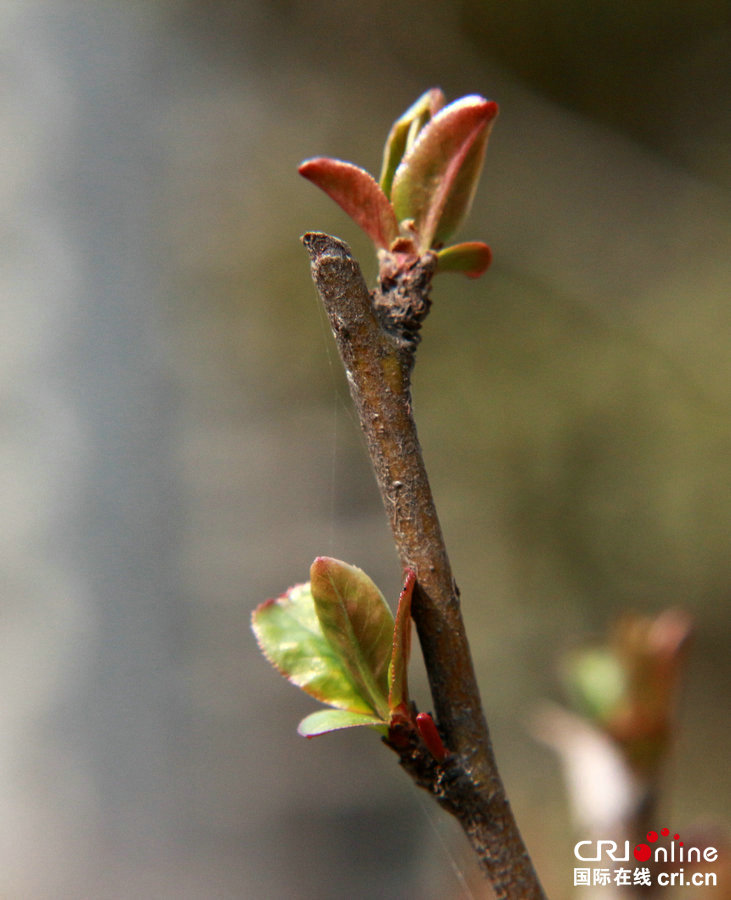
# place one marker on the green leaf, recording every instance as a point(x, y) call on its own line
point(404, 132)
point(290, 636)
point(358, 624)
point(357, 193)
point(325, 720)
point(436, 180)
point(398, 689)
point(471, 257)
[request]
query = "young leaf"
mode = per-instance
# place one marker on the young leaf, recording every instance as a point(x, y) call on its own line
point(471, 257)
point(358, 624)
point(431, 737)
point(398, 689)
point(436, 180)
point(325, 720)
point(357, 193)
point(404, 131)
point(290, 636)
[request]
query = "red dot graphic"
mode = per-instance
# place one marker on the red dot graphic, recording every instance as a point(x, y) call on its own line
point(652, 836)
point(665, 832)
point(642, 851)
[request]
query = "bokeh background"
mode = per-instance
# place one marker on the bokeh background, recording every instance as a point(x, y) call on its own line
point(177, 441)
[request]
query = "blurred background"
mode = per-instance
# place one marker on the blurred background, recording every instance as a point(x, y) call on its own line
point(178, 444)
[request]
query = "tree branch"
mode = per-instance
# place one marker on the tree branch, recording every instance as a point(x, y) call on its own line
point(376, 337)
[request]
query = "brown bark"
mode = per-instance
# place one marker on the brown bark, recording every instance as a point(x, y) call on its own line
point(376, 336)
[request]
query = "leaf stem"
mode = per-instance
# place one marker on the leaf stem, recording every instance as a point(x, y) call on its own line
point(378, 362)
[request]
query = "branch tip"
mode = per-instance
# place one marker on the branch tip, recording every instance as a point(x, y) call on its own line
point(319, 244)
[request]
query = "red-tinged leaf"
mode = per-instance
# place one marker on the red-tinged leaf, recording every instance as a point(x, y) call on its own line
point(472, 257)
point(357, 623)
point(436, 181)
point(398, 688)
point(357, 193)
point(289, 634)
point(431, 737)
point(325, 720)
point(404, 132)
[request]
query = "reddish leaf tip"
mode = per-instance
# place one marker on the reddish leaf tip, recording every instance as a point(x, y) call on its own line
point(265, 604)
point(309, 166)
point(320, 565)
point(485, 109)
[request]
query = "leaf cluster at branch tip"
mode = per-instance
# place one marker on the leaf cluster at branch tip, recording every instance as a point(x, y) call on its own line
point(432, 162)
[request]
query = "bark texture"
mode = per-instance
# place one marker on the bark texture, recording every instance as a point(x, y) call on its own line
point(376, 335)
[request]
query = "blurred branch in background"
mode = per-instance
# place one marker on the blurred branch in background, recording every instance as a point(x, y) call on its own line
point(615, 743)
